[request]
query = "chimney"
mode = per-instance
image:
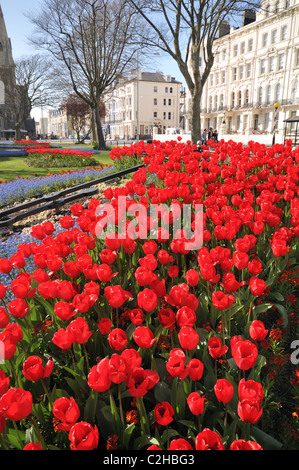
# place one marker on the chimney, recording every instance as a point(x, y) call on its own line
point(249, 16)
point(224, 29)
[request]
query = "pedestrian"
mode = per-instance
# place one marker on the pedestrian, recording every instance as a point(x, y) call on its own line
point(210, 133)
point(215, 136)
point(204, 137)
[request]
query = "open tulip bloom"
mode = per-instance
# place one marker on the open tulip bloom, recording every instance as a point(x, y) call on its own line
point(151, 319)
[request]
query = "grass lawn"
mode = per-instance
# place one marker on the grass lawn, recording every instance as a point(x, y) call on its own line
point(12, 167)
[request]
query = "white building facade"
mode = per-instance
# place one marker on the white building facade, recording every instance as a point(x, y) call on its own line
point(141, 102)
point(255, 67)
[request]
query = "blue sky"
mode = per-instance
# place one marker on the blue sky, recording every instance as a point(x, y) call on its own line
point(19, 29)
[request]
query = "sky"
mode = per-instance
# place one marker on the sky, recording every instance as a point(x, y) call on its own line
point(19, 29)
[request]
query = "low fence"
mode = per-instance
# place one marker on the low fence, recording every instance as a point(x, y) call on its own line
point(55, 200)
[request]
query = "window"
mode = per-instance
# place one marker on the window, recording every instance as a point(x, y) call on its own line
point(217, 78)
point(224, 54)
point(170, 90)
point(212, 79)
point(248, 70)
point(233, 99)
point(166, 89)
point(268, 94)
point(277, 7)
point(164, 115)
point(235, 50)
point(271, 64)
point(247, 96)
point(223, 76)
point(169, 102)
point(240, 98)
point(295, 91)
point(169, 115)
point(164, 101)
point(284, 33)
point(260, 95)
point(265, 39)
point(235, 73)
point(155, 114)
point(243, 48)
point(281, 62)
point(250, 45)
point(155, 89)
point(277, 92)
point(155, 101)
point(263, 66)
point(241, 72)
point(274, 36)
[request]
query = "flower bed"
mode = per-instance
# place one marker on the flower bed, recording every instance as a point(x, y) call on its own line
point(25, 188)
point(31, 143)
point(57, 158)
point(134, 340)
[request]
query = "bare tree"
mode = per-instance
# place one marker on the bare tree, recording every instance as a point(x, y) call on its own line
point(29, 88)
point(186, 30)
point(78, 112)
point(94, 41)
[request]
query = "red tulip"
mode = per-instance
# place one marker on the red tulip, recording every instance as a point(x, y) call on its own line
point(188, 338)
point(163, 413)
point(33, 446)
point(215, 347)
point(249, 410)
point(67, 411)
point(257, 330)
point(180, 444)
point(147, 300)
point(245, 354)
point(98, 378)
point(16, 404)
point(33, 369)
point(257, 286)
point(83, 436)
point(104, 326)
point(221, 300)
point(224, 390)
point(208, 440)
point(196, 403)
point(144, 337)
point(117, 339)
point(241, 444)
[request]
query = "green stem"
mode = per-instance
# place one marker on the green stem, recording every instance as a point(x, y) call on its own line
point(38, 433)
point(46, 391)
point(86, 357)
point(120, 406)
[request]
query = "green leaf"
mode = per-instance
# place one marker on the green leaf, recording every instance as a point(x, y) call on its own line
point(266, 441)
point(127, 434)
point(284, 314)
point(116, 422)
point(90, 407)
point(261, 308)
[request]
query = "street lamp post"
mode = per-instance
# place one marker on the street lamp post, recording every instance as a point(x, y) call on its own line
point(276, 106)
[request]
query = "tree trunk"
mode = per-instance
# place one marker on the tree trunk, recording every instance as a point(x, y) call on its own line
point(195, 115)
point(18, 132)
point(98, 128)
